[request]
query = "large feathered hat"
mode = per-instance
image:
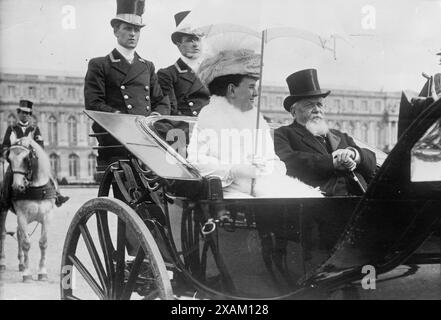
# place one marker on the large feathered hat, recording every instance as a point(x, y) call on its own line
point(129, 11)
point(229, 62)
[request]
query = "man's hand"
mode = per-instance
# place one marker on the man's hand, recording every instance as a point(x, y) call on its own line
point(344, 159)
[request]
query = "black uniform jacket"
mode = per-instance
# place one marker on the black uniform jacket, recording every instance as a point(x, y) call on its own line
point(19, 133)
point(184, 88)
point(310, 161)
point(112, 84)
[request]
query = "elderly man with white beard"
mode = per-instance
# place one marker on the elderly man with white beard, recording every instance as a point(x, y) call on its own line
point(317, 155)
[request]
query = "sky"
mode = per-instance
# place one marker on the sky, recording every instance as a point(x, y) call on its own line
point(381, 44)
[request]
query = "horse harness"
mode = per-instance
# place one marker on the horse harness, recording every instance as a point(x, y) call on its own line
point(44, 192)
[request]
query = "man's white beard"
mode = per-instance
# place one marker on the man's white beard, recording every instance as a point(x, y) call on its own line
point(318, 127)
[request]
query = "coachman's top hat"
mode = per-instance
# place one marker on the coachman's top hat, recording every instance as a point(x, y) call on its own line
point(129, 11)
point(303, 84)
point(25, 106)
point(183, 29)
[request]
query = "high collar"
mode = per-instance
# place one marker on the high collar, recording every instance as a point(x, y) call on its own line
point(128, 54)
point(23, 124)
point(194, 64)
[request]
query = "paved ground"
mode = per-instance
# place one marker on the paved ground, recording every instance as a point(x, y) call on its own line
point(424, 284)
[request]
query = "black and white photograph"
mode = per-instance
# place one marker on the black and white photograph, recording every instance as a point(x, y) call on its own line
point(241, 151)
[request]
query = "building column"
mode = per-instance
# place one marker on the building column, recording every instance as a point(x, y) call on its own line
point(82, 131)
point(43, 127)
point(372, 132)
point(62, 130)
point(389, 132)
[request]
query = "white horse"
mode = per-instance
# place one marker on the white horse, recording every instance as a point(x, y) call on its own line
point(33, 198)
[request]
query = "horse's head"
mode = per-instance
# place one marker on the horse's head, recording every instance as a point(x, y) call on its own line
point(22, 160)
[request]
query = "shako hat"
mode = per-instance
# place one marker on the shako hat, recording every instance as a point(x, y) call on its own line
point(303, 84)
point(183, 29)
point(129, 11)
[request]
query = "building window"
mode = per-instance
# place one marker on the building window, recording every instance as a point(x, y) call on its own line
point(52, 131)
point(92, 140)
point(32, 92)
point(55, 164)
point(337, 105)
point(364, 106)
point(350, 106)
point(71, 93)
point(12, 120)
point(72, 130)
point(11, 91)
point(91, 165)
point(364, 133)
point(74, 166)
point(279, 102)
point(52, 92)
point(378, 106)
point(34, 120)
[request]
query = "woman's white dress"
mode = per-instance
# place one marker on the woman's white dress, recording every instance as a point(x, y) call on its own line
point(223, 143)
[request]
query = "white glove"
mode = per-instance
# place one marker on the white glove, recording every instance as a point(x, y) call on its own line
point(243, 171)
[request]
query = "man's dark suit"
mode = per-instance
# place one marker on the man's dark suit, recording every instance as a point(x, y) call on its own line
point(186, 92)
point(112, 85)
point(20, 132)
point(310, 161)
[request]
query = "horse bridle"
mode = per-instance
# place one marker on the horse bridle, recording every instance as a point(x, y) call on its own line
point(31, 156)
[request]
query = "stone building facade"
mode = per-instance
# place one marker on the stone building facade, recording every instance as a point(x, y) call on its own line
point(59, 103)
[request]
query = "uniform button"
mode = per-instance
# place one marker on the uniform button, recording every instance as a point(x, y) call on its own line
point(191, 104)
point(146, 87)
point(195, 113)
point(147, 98)
point(148, 108)
point(123, 87)
point(129, 107)
point(126, 97)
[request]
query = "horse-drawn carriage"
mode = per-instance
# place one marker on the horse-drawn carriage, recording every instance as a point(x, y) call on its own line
point(168, 232)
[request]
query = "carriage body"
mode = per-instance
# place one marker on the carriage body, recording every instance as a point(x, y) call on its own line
point(196, 243)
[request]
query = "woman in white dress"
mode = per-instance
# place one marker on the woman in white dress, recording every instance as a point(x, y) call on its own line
point(223, 142)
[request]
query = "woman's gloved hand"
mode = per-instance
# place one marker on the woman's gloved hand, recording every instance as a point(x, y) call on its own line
point(243, 171)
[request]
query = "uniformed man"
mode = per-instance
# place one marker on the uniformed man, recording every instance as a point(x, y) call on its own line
point(21, 129)
point(179, 81)
point(123, 82)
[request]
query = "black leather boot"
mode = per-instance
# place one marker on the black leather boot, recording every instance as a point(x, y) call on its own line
point(59, 200)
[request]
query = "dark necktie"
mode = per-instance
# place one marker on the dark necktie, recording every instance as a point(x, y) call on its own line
point(324, 142)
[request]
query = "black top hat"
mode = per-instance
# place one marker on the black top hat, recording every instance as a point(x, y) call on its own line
point(25, 105)
point(129, 11)
point(303, 84)
point(185, 30)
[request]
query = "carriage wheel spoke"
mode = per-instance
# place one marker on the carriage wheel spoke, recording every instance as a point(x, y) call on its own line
point(106, 243)
point(95, 257)
point(120, 258)
point(133, 276)
point(87, 276)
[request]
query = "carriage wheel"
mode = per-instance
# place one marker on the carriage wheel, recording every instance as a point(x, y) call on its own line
point(88, 272)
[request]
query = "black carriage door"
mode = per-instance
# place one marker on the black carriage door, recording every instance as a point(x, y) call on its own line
point(400, 209)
